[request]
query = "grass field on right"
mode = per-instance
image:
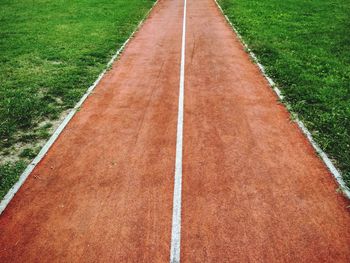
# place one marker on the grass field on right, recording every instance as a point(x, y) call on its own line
point(305, 48)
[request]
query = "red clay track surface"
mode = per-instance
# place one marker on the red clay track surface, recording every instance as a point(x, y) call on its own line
point(253, 189)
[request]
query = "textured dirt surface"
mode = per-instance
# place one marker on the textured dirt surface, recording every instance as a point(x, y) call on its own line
point(104, 191)
point(253, 188)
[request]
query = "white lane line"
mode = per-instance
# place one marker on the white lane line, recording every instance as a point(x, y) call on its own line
point(176, 221)
point(11, 193)
point(334, 171)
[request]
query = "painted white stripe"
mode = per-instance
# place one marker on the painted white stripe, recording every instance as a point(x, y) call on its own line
point(10, 194)
point(334, 171)
point(176, 221)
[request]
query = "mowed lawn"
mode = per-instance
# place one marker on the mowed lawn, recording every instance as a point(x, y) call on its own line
point(305, 47)
point(50, 53)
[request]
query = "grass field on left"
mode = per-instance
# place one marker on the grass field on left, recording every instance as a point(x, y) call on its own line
point(51, 52)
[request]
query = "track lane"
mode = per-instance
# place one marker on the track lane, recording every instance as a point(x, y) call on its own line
point(253, 188)
point(104, 191)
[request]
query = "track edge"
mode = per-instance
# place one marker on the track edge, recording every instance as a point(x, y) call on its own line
point(324, 157)
point(25, 174)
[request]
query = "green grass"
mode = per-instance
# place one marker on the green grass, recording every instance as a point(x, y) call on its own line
point(9, 174)
point(50, 53)
point(305, 47)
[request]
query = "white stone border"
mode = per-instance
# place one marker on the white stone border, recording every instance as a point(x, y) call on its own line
point(336, 174)
point(11, 193)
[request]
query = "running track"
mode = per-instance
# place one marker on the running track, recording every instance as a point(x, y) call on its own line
point(252, 189)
